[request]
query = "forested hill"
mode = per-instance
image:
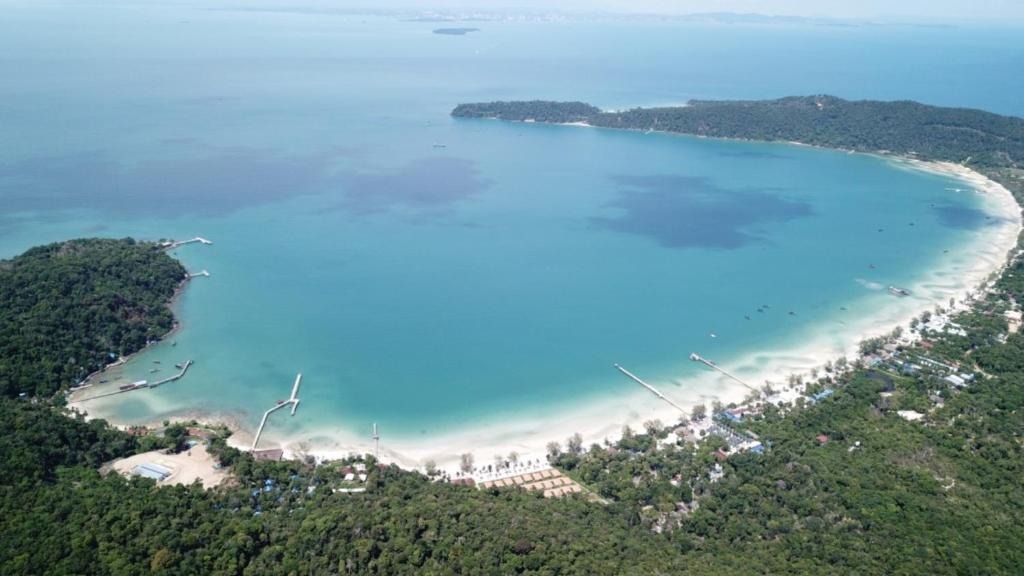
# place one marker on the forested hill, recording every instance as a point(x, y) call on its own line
point(972, 137)
point(68, 309)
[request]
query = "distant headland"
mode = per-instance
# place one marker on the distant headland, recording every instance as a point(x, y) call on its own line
point(982, 141)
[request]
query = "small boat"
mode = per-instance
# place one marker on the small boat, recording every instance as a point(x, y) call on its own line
point(746, 316)
point(791, 313)
point(156, 361)
point(154, 370)
point(178, 366)
point(713, 335)
point(897, 291)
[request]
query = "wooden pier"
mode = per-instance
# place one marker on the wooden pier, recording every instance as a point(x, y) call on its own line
point(651, 388)
point(192, 275)
point(293, 401)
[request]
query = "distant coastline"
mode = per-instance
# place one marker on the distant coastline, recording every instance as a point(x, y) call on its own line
point(455, 31)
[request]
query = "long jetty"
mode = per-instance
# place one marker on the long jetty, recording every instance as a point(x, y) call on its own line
point(698, 358)
point(653, 390)
point(293, 401)
point(178, 376)
point(174, 244)
point(192, 275)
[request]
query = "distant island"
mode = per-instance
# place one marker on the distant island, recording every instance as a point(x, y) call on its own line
point(985, 142)
point(455, 31)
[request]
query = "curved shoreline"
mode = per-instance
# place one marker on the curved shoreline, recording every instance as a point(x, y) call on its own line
point(600, 420)
point(72, 402)
point(602, 417)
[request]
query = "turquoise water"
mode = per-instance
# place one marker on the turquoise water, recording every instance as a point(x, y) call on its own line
point(430, 274)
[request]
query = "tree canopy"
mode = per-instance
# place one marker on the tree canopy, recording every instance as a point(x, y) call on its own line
point(68, 309)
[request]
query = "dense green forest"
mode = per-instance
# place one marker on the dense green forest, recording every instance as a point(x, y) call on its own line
point(68, 309)
point(845, 484)
point(883, 496)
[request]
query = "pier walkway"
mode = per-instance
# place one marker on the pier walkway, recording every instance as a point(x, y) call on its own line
point(184, 368)
point(141, 386)
point(293, 401)
point(174, 244)
point(698, 358)
point(651, 388)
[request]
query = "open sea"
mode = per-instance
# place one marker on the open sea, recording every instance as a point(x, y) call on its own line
point(432, 275)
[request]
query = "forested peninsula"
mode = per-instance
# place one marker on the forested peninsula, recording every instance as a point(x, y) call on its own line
point(846, 483)
point(988, 143)
point(69, 309)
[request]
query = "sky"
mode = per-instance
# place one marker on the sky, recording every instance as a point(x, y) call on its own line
point(1001, 11)
point(903, 9)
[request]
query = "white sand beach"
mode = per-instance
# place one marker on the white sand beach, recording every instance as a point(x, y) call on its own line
point(964, 272)
point(959, 273)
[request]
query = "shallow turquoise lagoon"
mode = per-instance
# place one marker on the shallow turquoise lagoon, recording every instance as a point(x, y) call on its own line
point(431, 274)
